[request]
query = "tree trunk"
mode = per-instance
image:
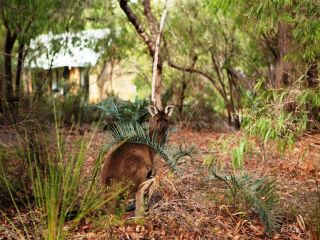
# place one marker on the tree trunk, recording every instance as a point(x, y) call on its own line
point(236, 122)
point(229, 114)
point(312, 74)
point(9, 43)
point(157, 87)
point(152, 42)
point(87, 83)
point(20, 61)
point(181, 98)
point(1, 93)
point(283, 66)
point(313, 82)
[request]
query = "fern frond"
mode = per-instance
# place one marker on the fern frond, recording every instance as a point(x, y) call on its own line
point(135, 133)
point(260, 194)
point(121, 110)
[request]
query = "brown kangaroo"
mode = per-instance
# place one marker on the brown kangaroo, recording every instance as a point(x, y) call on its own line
point(134, 163)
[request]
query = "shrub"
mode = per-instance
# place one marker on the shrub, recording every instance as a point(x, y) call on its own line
point(55, 194)
point(259, 194)
point(281, 115)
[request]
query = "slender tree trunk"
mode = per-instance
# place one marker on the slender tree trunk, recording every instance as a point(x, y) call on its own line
point(313, 81)
point(185, 79)
point(157, 87)
point(1, 93)
point(9, 43)
point(19, 69)
point(236, 122)
point(51, 77)
point(229, 114)
point(312, 74)
point(235, 97)
point(87, 83)
point(28, 83)
point(283, 66)
point(158, 64)
point(181, 98)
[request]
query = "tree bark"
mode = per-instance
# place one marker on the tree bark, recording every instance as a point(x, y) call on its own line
point(20, 61)
point(157, 101)
point(137, 25)
point(182, 95)
point(283, 66)
point(185, 80)
point(157, 61)
point(1, 93)
point(312, 75)
point(9, 43)
point(152, 21)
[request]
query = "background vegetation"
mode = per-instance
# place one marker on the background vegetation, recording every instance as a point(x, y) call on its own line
point(245, 66)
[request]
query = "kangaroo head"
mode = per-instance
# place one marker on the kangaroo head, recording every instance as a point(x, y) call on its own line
point(159, 120)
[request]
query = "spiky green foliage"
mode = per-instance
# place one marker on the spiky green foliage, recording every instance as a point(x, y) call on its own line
point(120, 110)
point(59, 194)
point(136, 133)
point(260, 194)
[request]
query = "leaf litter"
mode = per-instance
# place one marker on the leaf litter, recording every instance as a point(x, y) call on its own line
point(200, 211)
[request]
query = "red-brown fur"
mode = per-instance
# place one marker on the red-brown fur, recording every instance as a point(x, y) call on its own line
point(132, 162)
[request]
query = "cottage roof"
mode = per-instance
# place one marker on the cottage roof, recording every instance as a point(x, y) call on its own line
point(79, 49)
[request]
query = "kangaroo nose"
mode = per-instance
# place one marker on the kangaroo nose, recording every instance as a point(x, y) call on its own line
point(163, 126)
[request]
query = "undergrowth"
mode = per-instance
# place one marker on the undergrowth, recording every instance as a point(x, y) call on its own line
point(259, 194)
point(281, 115)
point(54, 199)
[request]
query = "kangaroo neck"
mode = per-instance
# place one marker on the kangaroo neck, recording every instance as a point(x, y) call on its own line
point(161, 137)
point(160, 140)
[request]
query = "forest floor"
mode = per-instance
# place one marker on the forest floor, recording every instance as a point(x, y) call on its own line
point(202, 209)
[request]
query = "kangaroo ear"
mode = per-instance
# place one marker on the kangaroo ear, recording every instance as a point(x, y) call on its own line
point(153, 110)
point(169, 110)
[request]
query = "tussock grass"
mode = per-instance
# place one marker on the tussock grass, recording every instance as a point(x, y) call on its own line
point(55, 199)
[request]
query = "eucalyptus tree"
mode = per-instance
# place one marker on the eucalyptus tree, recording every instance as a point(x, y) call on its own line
point(207, 42)
point(147, 26)
point(195, 43)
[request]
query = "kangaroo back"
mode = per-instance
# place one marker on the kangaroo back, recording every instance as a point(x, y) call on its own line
point(133, 162)
point(130, 162)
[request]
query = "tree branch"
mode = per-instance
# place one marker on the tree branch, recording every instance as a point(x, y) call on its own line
point(137, 25)
point(200, 72)
point(152, 21)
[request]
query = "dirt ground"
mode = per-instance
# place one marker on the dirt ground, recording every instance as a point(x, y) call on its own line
point(200, 211)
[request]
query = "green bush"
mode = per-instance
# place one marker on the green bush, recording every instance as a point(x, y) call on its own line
point(281, 115)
